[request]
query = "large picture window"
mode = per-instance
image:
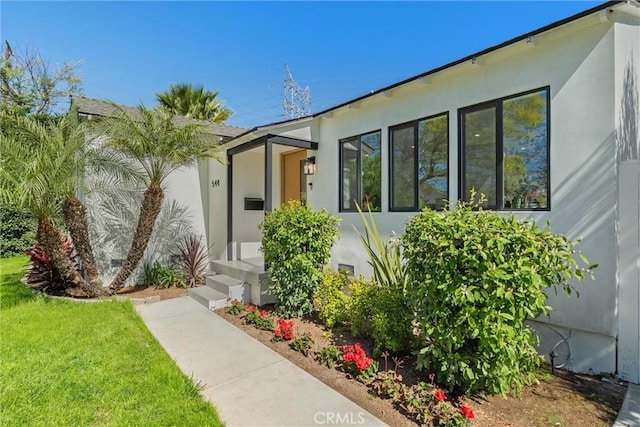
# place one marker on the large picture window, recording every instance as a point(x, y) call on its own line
point(360, 172)
point(504, 146)
point(419, 164)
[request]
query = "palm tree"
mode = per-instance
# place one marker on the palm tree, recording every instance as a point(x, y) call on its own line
point(194, 102)
point(159, 147)
point(42, 164)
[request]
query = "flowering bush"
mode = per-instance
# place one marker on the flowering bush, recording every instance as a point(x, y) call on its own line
point(356, 362)
point(283, 330)
point(235, 308)
point(259, 319)
point(429, 405)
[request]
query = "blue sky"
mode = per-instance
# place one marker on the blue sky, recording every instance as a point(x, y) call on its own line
point(341, 50)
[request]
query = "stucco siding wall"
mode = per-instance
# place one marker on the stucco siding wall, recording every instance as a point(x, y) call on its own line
point(248, 181)
point(184, 186)
point(627, 116)
point(577, 65)
point(217, 208)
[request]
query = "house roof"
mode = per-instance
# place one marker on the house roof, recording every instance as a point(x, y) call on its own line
point(468, 58)
point(97, 107)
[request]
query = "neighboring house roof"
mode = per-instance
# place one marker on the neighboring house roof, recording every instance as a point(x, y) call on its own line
point(468, 58)
point(96, 107)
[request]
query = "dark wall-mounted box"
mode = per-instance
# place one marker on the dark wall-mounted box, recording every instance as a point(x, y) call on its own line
point(253, 204)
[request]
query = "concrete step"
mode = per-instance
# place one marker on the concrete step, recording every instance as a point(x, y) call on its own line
point(209, 297)
point(234, 288)
point(250, 271)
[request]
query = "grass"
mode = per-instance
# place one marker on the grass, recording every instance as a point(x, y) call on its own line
point(67, 363)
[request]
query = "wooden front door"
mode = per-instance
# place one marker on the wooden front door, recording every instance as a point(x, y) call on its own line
point(293, 181)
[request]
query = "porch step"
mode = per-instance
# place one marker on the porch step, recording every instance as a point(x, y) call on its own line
point(250, 271)
point(209, 297)
point(232, 287)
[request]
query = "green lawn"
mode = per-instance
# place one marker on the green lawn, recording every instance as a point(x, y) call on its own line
point(66, 363)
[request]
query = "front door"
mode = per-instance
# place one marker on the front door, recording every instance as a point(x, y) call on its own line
point(293, 181)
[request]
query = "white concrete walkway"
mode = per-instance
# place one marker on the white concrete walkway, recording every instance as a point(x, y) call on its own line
point(249, 384)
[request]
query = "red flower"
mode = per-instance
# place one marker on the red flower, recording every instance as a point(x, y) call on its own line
point(247, 306)
point(356, 355)
point(467, 412)
point(439, 395)
point(254, 309)
point(284, 329)
point(263, 313)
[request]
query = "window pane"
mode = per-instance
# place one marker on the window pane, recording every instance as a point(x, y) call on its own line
point(433, 170)
point(349, 156)
point(371, 171)
point(480, 154)
point(403, 160)
point(525, 151)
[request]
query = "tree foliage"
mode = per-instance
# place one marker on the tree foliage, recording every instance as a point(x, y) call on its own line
point(31, 84)
point(42, 163)
point(17, 230)
point(194, 102)
point(158, 146)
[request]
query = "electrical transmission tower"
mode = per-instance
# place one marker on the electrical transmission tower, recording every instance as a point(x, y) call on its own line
point(297, 101)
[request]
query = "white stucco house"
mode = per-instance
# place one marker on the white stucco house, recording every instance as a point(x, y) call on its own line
point(545, 124)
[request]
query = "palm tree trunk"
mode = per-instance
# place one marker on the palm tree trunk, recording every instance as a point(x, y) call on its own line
point(50, 239)
point(149, 211)
point(75, 218)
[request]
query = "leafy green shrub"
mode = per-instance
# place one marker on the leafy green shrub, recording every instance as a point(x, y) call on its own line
point(329, 356)
point(17, 231)
point(296, 243)
point(302, 344)
point(379, 308)
point(474, 278)
point(330, 299)
point(381, 313)
point(162, 276)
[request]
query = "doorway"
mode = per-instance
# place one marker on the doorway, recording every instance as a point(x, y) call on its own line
point(294, 182)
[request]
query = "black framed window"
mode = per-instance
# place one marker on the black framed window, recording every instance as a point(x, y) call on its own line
point(419, 164)
point(360, 172)
point(504, 151)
